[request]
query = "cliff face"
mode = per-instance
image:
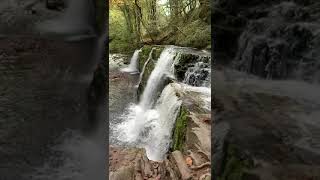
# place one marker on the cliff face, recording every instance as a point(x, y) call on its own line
point(275, 39)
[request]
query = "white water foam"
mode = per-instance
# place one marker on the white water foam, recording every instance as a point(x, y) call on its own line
point(147, 126)
point(163, 70)
point(199, 74)
point(133, 66)
point(203, 93)
point(151, 129)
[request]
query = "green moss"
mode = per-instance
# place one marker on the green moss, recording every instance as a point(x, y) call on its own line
point(143, 56)
point(184, 60)
point(157, 52)
point(234, 166)
point(180, 128)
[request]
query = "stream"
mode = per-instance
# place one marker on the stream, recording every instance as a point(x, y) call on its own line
point(149, 123)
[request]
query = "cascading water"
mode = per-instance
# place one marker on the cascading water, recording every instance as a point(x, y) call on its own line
point(151, 129)
point(144, 66)
point(149, 123)
point(167, 107)
point(147, 126)
point(162, 72)
point(133, 66)
point(198, 79)
point(198, 75)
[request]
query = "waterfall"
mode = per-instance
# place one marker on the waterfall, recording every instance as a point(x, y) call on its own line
point(133, 66)
point(144, 66)
point(149, 126)
point(198, 80)
point(152, 129)
point(149, 123)
point(199, 74)
point(167, 107)
point(162, 71)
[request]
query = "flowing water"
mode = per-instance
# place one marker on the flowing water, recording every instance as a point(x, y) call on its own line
point(151, 129)
point(199, 74)
point(144, 67)
point(149, 123)
point(122, 92)
point(133, 66)
point(162, 71)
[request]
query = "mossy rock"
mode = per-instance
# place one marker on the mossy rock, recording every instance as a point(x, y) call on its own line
point(184, 62)
point(143, 57)
point(144, 54)
point(179, 132)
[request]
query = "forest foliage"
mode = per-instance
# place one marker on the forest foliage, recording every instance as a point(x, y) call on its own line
point(134, 23)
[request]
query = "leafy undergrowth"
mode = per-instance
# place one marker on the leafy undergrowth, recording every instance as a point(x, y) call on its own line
point(195, 34)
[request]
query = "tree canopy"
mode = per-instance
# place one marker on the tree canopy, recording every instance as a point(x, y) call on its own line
point(179, 22)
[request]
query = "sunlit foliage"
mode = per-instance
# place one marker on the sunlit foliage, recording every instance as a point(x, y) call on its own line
point(137, 22)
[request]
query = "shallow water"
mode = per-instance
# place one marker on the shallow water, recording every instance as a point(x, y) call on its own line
point(122, 92)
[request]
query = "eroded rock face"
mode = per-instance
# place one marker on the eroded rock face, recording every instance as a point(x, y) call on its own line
point(276, 39)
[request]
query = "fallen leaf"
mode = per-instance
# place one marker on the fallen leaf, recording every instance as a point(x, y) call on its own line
point(189, 161)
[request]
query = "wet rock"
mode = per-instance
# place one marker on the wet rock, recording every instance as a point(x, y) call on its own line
point(138, 177)
point(124, 173)
point(183, 168)
point(137, 166)
point(205, 177)
point(147, 171)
